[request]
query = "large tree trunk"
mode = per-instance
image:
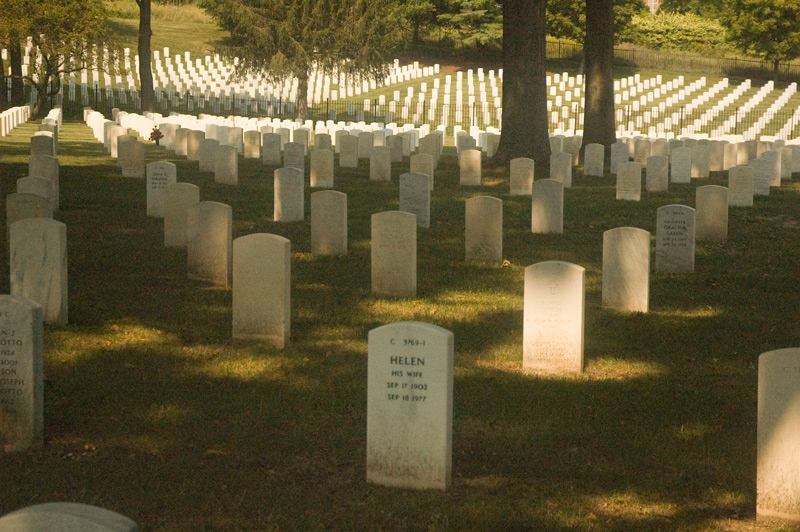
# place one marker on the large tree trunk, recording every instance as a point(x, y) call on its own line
point(17, 83)
point(145, 71)
point(525, 120)
point(598, 49)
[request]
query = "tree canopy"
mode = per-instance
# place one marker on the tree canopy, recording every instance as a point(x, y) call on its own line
point(279, 38)
point(566, 19)
point(66, 36)
point(768, 28)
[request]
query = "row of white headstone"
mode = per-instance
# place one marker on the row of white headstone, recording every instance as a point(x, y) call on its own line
point(12, 117)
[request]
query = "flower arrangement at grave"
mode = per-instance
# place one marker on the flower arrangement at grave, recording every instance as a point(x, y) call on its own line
point(156, 135)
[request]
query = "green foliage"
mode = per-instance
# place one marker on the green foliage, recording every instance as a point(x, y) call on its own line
point(704, 8)
point(566, 19)
point(167, 11)
point(687, 32)
point(768, 28)
point(474, 22)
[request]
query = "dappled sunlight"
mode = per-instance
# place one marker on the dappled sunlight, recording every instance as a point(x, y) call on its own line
point(698, 312)
point(630, 506)
point(70, 346)
point(617, 369)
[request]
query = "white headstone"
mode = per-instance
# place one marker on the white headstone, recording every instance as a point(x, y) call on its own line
point(711, 214)
point(294, 156)
point(209, 246)
point(547, 206)
point(271, 149)
point(47, 167)
point(470, 167)
point(553, 317)
point(252, 144)
point(626, 269)
point(380, 163)
point(348, 151)
point(65, 517)
point(261, 288)
point(415, 197)
point(410, 406)
point(207, 154)
point(394, 254)
point(21, 374)
point(675, 235)
point(131, 158)
point(289, 194)
point(329, 222)
point(561, 168)
point(38, 264)
point(483, 236)
point(226, 165)
point(657, 176)
point(178, 199)
point(629, 181)
point(593, 160)
point(321, 168)
point(160, 175)
point(422, 163)
point(521, 176)
point(681, 165)
point(778, 459)
point(740, 186)
point(620, 153)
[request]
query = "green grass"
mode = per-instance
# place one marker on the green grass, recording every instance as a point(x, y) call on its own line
point(153, 411)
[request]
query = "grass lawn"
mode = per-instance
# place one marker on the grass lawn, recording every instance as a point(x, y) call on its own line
point(152, 411)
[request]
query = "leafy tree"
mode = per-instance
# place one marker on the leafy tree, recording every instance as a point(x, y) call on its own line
point(66, 36)
point(598, 46)
point(712, 9)
point(13, 28)
point(418, 14)
point(474, 22)
point(145, 71)
point(280, 38)
point(768, 28)
point(566, 19)
point(525, 119)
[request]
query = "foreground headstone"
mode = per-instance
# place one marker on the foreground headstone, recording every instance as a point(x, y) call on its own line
point(410, 406)
point(21, 374)
point(329, 222)
point(178, 199)
point(209, 246)
point(675, 236)
point(289, 203)
point(483, 236)
point(547, 206)
point(415, 197)
point(778, 463)
point(521, 176)
point(160, 175)
point(711, 214)
point(65, 517)
point(626, 269)
point(38, 264)
point(394, 254)
point(261, 288)
point(553, 317)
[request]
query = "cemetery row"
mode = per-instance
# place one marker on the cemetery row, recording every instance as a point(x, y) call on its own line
point(409, 414)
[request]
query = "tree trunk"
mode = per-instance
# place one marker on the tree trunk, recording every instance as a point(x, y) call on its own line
point(598, 48)
point(302, 95)
point(525, 119)
point(145, 71)
point(17, 83)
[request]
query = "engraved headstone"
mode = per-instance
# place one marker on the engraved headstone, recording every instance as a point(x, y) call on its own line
point(547, 206)
point(521, 176)
point(209, 247)
point(131, 158)
point(410, 406)
point(394, 254)
point(178, 199)
point(415, 197)
point(483, 236)
point(21, 374)
point(261, 288)
point(160, 174)
point(778, 441)
point(322, 141)
point(675, 236)
point(711, 223)
point(38, 264)
point(626, 269)
point(553, 317)
point(329, 222)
